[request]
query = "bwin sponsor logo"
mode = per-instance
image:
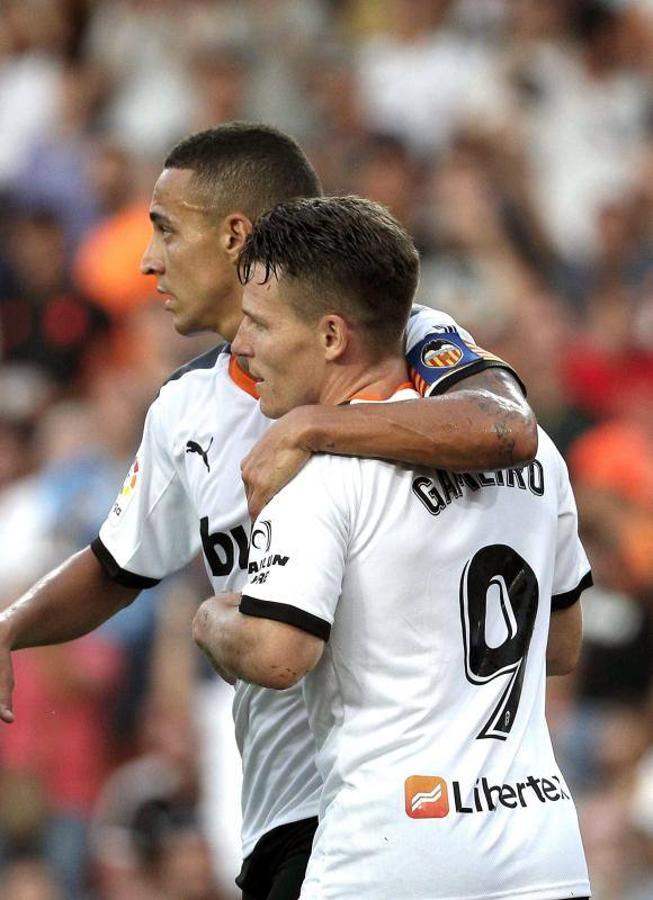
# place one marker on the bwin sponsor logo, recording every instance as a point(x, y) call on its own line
point(262, 536)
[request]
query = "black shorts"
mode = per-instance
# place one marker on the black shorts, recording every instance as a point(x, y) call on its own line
point(275, 868)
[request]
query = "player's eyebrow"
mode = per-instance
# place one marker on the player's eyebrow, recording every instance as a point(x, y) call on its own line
point(159, 218)
point(247, 311)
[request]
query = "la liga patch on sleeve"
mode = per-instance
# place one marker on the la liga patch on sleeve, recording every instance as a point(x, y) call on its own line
point(126, 494)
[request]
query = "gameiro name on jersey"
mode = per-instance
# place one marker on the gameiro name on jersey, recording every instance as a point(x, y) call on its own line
point(184, 494)
point(433, 593)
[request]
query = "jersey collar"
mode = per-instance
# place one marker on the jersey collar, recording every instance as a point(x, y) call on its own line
point(363, 397)
point(246, 383)
point(242, 379)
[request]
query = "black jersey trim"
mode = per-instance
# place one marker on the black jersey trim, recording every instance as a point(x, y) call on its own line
point(564, 601)
point(204, 361)
point(284, 612)
point(116, 573)
point(444, 383)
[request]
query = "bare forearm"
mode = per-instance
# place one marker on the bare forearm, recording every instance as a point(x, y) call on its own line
point(69, 602)
point(474, 427)
point(215, 632)
point(261, 651)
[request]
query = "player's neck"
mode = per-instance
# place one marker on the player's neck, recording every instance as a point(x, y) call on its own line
point(228, 322)
point(366, 382)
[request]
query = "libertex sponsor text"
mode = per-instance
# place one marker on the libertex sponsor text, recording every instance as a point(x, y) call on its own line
point(433, 797)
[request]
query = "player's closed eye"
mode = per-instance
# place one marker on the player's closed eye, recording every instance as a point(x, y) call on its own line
point(253, 324)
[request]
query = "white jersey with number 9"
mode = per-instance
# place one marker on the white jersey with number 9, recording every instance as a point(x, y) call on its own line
point(433, 593)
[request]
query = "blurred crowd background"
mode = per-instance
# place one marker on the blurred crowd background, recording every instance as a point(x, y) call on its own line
point(514, 138)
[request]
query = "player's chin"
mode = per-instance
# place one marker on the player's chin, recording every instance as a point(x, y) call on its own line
point(270, 408)
point(185, 326)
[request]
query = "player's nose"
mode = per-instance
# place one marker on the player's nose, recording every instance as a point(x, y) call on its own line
point(240, 345)
point(151, 263)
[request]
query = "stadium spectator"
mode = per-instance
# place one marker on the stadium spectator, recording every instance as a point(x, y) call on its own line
point(29, 878)
point(106, 267)
point(420, 80)
point(147, 827)
point(61, 750)
point(44, 321)
point(56, 171)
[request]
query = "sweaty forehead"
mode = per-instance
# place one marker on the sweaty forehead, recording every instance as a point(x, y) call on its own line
point(259, 291)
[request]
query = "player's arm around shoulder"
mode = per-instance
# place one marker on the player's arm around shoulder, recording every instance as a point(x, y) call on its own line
point(473, 416)
point(489, 423)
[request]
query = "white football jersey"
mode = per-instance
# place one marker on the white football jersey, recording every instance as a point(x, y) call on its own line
point(433, 592)
point(184, 494)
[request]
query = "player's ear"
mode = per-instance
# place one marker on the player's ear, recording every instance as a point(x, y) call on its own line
point(234, 231)
point(335, 336)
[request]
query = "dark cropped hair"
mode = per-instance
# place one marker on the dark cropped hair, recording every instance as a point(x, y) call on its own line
point(246, 167)
point(348, 256)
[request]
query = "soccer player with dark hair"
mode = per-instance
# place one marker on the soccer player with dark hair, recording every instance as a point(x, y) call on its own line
point(423, 607)
point(184, 493)
point(352, 255)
